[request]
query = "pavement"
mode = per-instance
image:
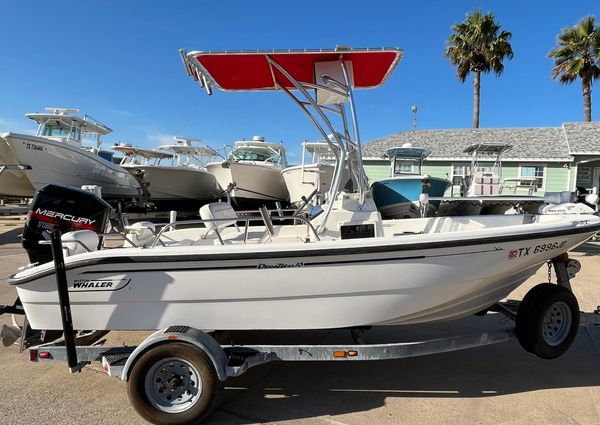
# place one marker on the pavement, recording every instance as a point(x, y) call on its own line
point(497, 384)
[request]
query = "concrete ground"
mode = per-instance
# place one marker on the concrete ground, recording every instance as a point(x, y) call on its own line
point(499, 384)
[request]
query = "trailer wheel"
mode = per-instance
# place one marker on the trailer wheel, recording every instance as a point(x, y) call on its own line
point(173, 383)
point(547, 320)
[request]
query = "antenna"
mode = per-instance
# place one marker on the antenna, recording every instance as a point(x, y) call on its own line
point(414, 121)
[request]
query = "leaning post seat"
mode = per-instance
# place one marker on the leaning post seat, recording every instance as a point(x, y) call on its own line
point(218, 215)
point(79, 241)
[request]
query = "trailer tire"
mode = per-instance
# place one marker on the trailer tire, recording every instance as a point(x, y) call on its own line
point(547, 320)
point(173, 383)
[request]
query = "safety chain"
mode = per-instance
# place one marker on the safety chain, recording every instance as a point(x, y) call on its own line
point(549, 271)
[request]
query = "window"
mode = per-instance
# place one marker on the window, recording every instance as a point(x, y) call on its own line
point(533, 172)
point(459, 172)
point(406, 166)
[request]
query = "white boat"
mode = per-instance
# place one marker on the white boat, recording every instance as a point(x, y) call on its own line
point(344, 267)
point(304, 179)
point(13, 181)
point(251, 174)
point(183, 178)
point(484, 191)
point(56, 154)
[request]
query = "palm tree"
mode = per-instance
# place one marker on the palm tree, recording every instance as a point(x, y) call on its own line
point(477, 45)
point(578, 55)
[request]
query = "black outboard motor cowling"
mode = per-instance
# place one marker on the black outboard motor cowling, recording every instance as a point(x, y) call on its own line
point(64, 208)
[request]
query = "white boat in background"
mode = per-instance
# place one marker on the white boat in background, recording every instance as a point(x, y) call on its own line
point(345, 267)
point(183, 178)
point(56, 154)
point(483, 189)
point(401, 195)
point(251, 174)
point(316, 175)
point(13, 180)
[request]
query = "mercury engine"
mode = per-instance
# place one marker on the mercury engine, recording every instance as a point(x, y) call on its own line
point(63, 208)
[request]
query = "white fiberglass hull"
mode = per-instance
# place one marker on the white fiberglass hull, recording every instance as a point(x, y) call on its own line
point(302, 182)
point(61, 163)
point(452, 269)
point(177, 183)
point(253, 180)
point(12, 182)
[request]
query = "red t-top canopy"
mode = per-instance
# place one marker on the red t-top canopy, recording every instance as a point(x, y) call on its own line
point(250, 70)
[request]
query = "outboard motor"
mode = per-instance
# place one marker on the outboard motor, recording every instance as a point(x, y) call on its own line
point(64, 208)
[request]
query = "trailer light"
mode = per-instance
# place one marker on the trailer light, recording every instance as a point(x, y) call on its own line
point(45, 355)
point(33, 355)
point(172, 337)
point(562, 258)
point(340, 354)
point(352, 353)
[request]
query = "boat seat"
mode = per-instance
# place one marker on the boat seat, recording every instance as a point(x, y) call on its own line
point(216, 216)
point(141, 233)
point(79, 242)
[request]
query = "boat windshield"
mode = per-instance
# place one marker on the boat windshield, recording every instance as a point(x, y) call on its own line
point(256, 153)
point(60, 130)
point(407, 166)
point(139, 160)
point(189, 160)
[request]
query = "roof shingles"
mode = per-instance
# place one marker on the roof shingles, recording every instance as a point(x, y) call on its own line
point(532, 144)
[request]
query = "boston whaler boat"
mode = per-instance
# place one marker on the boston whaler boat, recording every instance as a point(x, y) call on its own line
point(56, 154)
point(341, 268)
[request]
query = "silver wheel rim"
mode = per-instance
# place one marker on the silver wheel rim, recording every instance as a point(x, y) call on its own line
point(173, 385)
point(557, 323)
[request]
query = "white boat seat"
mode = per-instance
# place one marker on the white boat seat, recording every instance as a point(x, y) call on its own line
point(79, 241)
point(218, 215)
point(140, 233)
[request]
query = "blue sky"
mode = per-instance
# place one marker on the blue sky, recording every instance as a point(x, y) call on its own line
point(118, 62)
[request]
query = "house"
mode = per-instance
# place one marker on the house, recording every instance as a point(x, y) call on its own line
point(559, 158)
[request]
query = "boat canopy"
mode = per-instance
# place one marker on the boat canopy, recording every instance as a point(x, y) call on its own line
point(407, 152)
point(128, 150)
point(487, 148)
point(61, 117)
point(317, 148)
point(249, 70)
point(321, 82)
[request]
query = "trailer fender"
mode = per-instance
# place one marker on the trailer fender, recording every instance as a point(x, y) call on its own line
point(195, 337)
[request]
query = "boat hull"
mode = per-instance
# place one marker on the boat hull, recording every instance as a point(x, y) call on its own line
point(13, 182)
point(177, 183)
point(398, 197)
point(253, 181)
point(419, 278)
point(65, 164)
